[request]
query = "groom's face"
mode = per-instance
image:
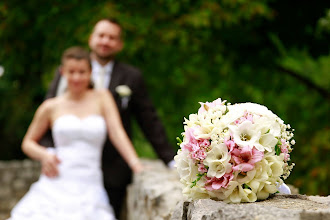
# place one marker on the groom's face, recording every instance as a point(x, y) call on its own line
point(105, 41)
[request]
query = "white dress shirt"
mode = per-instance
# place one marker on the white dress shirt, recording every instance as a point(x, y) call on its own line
point(96, 69)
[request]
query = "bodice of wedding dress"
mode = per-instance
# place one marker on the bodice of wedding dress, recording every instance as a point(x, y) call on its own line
point(78, 144)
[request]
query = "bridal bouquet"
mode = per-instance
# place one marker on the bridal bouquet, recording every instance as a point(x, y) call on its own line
point(235, 153)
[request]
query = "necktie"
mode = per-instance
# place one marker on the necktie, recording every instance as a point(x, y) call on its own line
point(99, 84)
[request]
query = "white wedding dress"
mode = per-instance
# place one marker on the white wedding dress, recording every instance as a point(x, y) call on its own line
point(78, 192)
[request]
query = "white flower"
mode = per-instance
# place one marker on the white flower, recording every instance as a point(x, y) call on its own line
point(185, 166)
point(196, 192)
point(217, 160)
point(268, 125)
point(2, 70)
point(249, 134)
point(236, 194)
point(293, 142)
point(266, 190)
point(245, 178)
point(123, 91)
point(246, 134)
point(276, 165)
point(268, 141)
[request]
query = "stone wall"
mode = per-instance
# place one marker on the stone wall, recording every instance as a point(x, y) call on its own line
point(15, 180)
point(156, 194)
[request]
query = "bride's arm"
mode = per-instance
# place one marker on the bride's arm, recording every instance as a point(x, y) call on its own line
point(39, 125)
point(116, 132)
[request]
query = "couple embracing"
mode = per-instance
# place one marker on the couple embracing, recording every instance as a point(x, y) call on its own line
point(93, 158)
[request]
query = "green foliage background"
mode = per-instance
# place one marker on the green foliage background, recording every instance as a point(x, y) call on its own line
point(275, 53)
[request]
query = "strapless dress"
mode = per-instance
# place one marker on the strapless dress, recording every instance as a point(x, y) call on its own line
point(78, 192)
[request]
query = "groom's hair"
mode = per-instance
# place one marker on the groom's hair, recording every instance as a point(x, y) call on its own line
point(113, 21)
point(77, 53)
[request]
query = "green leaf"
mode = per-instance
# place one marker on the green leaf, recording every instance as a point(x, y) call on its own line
point(246, 186)
point(277, 149)
point(199, 176)
point(227, 110)
point(179, 141)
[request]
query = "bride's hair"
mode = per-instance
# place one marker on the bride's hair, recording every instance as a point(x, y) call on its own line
point(77, 53)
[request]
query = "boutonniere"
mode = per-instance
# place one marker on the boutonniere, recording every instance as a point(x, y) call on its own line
point(125, 93)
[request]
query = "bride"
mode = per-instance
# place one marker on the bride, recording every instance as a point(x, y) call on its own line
point(71, 185)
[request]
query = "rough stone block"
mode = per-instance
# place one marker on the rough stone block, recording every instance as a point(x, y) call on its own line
point(157, 194)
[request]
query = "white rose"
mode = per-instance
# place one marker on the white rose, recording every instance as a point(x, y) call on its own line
point(123, 91)
point(238, 110)
point(185, 166)
point(236, 194)
point(268, 141)
point(276, 165)
point(245, 178)
point(268, 125)
point(217, 160)
point(196, 192)
point(268, 171)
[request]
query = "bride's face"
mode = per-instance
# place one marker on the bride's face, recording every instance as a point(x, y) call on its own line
point(77, 73)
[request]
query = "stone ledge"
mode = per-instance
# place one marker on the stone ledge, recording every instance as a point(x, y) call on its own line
point(279, 207)
point(156, 194)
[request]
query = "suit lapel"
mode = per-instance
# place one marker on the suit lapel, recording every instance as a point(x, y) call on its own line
point(115, 78)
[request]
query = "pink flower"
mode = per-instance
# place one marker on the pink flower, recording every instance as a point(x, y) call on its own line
point(197, 147)
point(201, 168)
point(245, 158)
point(216, 183)
point(284, 150)
point(199, 154)
point(192, 143)
point(246, 116)
point(230, 144)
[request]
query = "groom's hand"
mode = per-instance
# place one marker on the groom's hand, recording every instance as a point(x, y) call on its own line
point(49, 165)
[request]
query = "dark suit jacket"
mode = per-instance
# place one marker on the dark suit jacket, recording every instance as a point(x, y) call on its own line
point(115, 171)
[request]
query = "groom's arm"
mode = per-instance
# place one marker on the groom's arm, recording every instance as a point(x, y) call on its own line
point(149, 120)
point(47, 139)
point(54, 85)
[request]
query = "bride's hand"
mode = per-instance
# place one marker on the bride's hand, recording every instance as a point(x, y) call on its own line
point(138, 168)
point(49, 165)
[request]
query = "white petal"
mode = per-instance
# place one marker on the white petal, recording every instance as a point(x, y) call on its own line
point(268, 141)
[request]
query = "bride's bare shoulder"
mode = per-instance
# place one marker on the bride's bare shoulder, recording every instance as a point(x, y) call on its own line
point(49, 105)
point(102, 94)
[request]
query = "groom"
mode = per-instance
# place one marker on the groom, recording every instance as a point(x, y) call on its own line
point(127, 86)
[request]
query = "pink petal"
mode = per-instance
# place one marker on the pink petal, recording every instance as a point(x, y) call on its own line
point(237, 160)
point(243, 167)
point(257, 156)
point(209, 187)
point(216, 185)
